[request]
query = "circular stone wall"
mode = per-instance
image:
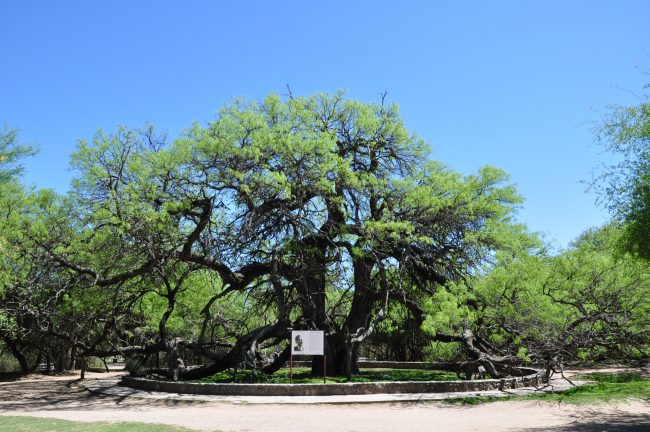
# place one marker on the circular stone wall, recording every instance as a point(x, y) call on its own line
point(530, 377)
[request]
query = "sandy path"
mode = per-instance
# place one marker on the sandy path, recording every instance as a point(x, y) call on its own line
point(63, 398)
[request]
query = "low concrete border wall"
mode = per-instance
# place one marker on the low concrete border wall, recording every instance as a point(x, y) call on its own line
point(531, 378)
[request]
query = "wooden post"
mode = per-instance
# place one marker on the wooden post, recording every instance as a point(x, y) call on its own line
point(324, 368)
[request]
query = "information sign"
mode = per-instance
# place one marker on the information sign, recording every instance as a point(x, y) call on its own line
point(306, 342)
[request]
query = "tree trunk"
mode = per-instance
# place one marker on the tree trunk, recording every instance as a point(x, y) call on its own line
point(73, 358)
point(236, 353)
point(358, 320)
point(341, 352)
point(60, 361)
point(37, 362)
point(24, 366)
point(348, 360)
point(18, 355)
point(311, 288)
point(278, 362)
point(172, 361)
point(480, 357)
point(82, 360)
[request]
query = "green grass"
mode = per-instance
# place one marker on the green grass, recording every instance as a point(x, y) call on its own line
point(606, 388)
point(303, 376)
point(31, 424)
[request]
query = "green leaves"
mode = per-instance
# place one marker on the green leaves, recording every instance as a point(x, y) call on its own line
point(624, 185)
point(10, 154)
point(447, 310)
point(583, 303)
point(314, 210)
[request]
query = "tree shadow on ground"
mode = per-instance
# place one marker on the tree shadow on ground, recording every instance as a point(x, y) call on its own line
point(68, 395)
point(595, 420)
point(10, 376)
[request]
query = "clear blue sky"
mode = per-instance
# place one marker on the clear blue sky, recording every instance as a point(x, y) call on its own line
point(514, 84)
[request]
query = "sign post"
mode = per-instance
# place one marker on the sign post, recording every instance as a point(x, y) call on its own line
point(307, 342)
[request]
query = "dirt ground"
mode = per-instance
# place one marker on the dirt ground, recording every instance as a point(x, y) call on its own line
point(63, 398)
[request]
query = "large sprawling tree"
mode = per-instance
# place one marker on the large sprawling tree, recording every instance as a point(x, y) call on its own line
point(301, 213)
point(323, 211)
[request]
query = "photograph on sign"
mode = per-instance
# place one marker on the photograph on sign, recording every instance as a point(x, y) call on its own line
point(304, 342)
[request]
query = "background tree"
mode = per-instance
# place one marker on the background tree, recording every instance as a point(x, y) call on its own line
point(583, 305)
point(11, 152)
point(13, 202)
point(624, 185)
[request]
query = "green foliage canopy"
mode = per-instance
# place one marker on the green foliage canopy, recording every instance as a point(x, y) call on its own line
point(624, 185)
